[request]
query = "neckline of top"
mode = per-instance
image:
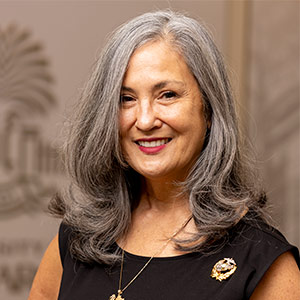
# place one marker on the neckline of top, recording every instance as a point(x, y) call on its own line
point(132, 256)
point(182, 256)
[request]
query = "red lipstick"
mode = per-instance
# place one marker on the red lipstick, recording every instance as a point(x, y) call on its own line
point(146, 147)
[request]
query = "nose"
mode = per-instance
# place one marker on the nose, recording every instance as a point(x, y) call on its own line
point(147, 117)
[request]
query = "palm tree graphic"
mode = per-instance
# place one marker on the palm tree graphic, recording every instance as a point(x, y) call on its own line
point(27, 160)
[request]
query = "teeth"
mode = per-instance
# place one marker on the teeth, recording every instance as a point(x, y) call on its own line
point(153, 143)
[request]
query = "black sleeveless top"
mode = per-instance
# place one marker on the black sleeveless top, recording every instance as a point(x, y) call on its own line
point(253, 247)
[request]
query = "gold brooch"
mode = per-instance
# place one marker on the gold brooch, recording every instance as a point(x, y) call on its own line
point(223, 269)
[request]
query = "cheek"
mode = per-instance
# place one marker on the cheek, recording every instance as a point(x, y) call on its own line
point(124, 123)
point(190, 121)
point(122, 130)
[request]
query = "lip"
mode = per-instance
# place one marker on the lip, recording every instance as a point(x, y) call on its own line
point(152, 150)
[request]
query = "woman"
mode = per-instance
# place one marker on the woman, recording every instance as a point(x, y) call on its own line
point(164, 203)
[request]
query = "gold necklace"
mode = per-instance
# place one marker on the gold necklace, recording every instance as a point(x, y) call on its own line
point(120, 290)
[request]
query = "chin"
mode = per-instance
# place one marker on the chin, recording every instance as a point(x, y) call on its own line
point(153, 172)
point(149, 174)
point(157, 175)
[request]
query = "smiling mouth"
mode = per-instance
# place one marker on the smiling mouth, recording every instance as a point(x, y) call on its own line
point(154, 143)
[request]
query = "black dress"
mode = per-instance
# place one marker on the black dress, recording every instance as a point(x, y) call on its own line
point(253, 246)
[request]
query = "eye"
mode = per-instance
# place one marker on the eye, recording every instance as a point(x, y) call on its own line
point(126, 98)
point(168, 95)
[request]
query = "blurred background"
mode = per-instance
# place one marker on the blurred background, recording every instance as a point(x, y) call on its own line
point(47, 49)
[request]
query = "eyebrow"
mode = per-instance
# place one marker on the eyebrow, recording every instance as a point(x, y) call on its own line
point(157, 86)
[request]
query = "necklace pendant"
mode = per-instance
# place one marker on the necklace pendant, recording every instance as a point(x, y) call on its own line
point(114, 297)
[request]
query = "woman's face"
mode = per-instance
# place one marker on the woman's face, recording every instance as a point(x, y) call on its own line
point(162, 122)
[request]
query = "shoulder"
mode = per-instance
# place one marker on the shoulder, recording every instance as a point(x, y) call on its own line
point(47, 279)
point(262, 241)
point(260, 248)
point(281, 281)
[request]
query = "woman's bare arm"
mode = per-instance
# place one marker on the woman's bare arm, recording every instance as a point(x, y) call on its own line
point(281, 281)
point(47, 279)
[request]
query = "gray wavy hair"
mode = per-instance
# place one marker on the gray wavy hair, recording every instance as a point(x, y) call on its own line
point(104, 189)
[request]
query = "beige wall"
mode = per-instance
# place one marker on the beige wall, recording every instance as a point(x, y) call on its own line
point(69, 34)
point(273, 101)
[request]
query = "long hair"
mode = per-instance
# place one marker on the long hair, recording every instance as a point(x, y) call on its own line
point(104, 189)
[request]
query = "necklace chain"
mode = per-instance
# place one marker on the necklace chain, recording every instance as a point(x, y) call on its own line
point(120, 290)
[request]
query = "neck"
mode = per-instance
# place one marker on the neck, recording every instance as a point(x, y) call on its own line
point(161, 210)
point(163, 196)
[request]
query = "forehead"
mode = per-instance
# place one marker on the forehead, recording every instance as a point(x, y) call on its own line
point(155, 49)
point(157, 58)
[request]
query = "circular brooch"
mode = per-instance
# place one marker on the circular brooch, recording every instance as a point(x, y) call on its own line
point(223, 269)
